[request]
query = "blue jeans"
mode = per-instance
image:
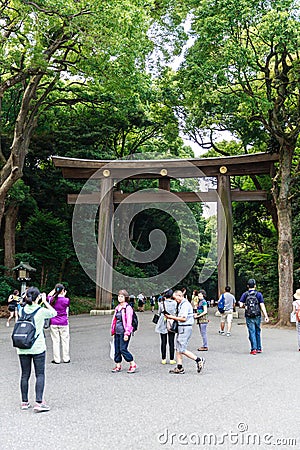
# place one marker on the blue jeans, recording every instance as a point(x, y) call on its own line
point(39, 367)
point(254, 330)
point(121, 349)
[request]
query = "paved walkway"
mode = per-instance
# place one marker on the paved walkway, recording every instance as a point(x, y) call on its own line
point(239, 401)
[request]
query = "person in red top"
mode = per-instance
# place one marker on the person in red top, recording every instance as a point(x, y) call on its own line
point(59, 325)
point(121, 329)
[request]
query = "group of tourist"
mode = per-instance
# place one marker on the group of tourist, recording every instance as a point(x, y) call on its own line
point(176, 316)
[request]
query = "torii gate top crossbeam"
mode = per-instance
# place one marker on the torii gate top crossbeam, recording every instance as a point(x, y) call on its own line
point(252, 164)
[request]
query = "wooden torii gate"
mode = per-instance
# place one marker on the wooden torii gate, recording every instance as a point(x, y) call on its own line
point(110, 172)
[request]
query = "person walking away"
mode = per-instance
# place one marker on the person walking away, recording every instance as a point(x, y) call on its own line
point(13, 301)
point(59, 325)
point(152, 302)
point(121, 329)
point(202, 319)
point(296, 310)
point(131, 300)
point(185, 319)
point(253, 302)
point(37, 353)
point(141, 302)
point(166, 305)
point(227, 316)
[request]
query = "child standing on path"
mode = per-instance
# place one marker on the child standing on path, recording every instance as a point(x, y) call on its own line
point(202, 320)
point(121, 329)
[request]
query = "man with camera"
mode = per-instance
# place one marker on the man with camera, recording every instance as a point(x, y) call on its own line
point(185, 319)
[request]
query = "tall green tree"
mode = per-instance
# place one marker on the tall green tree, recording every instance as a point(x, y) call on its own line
point(242, 74)
point(61, 52)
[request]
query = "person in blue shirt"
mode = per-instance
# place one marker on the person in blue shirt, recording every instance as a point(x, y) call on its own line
point(253, 302)
point(202, 319)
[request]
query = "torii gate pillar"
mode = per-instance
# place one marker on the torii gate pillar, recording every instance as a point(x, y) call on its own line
point(225, 235)
point(104, 268)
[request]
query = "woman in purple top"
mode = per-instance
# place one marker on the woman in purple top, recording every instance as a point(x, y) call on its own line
point(59, 325)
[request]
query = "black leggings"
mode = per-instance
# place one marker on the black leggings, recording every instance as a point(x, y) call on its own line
point(39, 367)
point(163, 347)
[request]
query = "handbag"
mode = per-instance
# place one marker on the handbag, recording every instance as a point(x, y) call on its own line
point(112, 348)
point(174, 326)
point(155, 318)
point(293, 317)
point(169, 324)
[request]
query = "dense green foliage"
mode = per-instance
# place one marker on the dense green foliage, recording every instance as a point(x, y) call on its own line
point(101, 90)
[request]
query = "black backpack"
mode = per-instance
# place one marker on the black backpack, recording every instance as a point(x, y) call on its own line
point(135, 320)
point(23, 335)
point(252, 306)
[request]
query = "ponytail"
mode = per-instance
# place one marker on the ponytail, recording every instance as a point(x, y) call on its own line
point(31, 295)
point(57, 290)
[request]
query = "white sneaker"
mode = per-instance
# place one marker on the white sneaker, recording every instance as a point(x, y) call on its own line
point(228, 334)
point(25, 406)
point(7, 324)
point(221, 332)
point(41, 407)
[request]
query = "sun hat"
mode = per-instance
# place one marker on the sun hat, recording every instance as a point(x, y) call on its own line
point(297, 294)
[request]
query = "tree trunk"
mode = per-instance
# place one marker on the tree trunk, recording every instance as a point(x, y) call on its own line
point(285, 246)
point(11, 216)
point(12, 170)
point(42, 275)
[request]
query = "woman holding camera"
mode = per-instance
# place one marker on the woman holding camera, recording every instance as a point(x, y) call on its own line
point(59, 325)
point(37, 353)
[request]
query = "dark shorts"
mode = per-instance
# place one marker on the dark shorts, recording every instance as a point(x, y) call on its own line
point(12, 308)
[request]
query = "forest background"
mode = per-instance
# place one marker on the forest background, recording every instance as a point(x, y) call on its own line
point(101, 80)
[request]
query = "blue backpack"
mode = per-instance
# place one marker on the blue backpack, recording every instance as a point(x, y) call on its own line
point(221, 304)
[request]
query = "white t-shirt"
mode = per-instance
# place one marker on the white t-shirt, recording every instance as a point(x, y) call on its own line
point(229, 301)
point(296, 304)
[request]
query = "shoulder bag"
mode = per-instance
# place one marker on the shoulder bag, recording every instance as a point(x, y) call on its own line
point(155, 318)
